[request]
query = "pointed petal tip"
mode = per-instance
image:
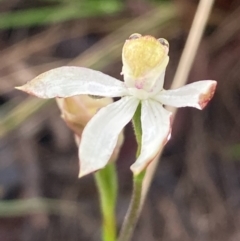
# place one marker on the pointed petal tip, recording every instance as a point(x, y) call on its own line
point(86, 171)
point(25, 88)
point(204, 98)
point(82, 174)
point(19, 87)
point(137, 168)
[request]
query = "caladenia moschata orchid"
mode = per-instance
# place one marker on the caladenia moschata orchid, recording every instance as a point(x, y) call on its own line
point(144, 63)
point(145, 59)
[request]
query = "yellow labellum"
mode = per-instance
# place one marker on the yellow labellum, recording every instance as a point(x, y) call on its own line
point(142, 54)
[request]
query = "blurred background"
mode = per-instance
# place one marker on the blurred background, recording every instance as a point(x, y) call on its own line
point(195, 193)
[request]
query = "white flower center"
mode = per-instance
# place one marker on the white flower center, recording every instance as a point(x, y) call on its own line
point(139, 93)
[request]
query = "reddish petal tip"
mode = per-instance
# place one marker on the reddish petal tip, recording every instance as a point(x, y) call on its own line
point(206, 97)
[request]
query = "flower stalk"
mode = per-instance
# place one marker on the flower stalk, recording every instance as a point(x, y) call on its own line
point(134, 210)
point(106, 181)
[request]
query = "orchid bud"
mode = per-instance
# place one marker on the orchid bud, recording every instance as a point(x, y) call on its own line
point(76, 111)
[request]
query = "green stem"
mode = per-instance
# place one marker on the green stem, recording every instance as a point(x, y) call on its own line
point(106, 180)
point(134, 209)
point(137, 126)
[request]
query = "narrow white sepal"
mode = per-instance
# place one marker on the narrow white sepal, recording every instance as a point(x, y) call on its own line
point(156, 129)
point(100, 136)
point(196, 94)
point(68, 81)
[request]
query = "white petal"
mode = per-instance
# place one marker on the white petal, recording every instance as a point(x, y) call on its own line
point(69, 81)
point(156, 129)
point(101, 133)
point(196, 94)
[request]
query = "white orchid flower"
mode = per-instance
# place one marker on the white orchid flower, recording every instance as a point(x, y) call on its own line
point(144, 63)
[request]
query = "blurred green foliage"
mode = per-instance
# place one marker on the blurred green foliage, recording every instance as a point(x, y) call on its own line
point(233, 152)
point(59, 12)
